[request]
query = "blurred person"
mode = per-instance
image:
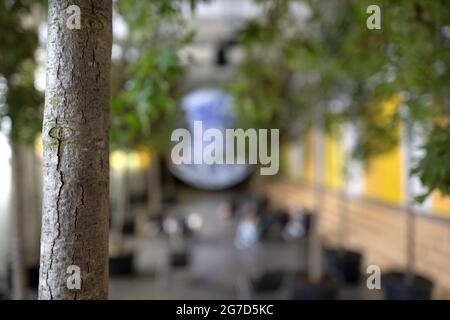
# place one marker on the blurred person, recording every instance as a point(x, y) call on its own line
point(248, 231)
point(295, 227)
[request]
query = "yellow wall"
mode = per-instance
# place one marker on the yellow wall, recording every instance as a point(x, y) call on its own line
point(383, 177)
point(441, 205)
point(309, 158)
point(333, 160)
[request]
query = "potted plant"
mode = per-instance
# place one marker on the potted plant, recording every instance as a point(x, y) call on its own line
point(144, 95)
point(288, 99)
point(342, 263)
point(315, 284)
point(407, 79)
point(378, 72)
point(408, 284)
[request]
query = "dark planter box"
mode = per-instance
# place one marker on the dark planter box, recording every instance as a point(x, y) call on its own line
point(344, 265)
point(269, 281)
point(129, 227)
point(396, 288)
point(179, 259)
point(303, 289)
point(306, 219)
point(122, 264)
point(273, 223)
point(32, 276)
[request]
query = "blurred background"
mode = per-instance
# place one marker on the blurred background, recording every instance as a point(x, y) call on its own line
point(364, 148)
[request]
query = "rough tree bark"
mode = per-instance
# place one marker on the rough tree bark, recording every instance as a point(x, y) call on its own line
point(76, 151)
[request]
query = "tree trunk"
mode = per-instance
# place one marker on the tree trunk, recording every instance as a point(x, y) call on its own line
point(315, 246)
point(76, 152)
point(122, 206)
point(18, 265)
point(343, 219)
point(154, 186)
point(410, 214)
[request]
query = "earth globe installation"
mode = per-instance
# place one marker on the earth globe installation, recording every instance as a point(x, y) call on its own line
point(212, 108)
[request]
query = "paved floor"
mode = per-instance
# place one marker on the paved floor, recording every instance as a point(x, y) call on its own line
point(218, 270)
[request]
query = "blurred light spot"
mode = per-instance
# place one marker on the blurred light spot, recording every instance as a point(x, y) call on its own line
point(119, 160)
point(38, 146)
point(39, 78)
point(194, 221)
point(116, 52)
point(120, 27)
point(171, 226)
